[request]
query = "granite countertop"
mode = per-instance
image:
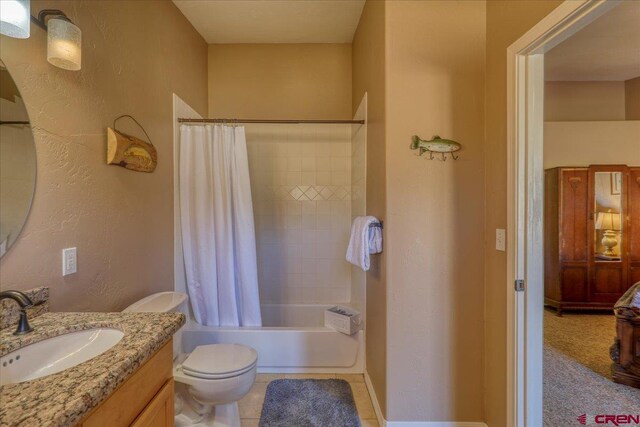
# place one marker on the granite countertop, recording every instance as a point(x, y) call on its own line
point(65, 398)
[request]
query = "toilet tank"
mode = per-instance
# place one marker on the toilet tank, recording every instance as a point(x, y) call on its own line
point(164, 302)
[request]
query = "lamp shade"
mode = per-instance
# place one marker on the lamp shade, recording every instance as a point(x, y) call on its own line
point(15, 18)
point(64, 44)
point(608, 221)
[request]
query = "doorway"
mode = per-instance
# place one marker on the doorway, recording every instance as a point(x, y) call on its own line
point(526, 193)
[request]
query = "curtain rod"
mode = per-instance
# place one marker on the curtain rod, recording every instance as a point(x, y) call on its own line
point(15, 122)
point(231, 121)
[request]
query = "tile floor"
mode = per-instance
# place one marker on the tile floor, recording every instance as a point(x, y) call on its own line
point(251, 405)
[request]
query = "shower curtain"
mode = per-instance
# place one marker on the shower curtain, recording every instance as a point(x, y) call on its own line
point(218, 234)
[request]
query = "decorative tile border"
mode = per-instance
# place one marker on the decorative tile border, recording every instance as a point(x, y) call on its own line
point(311, 192)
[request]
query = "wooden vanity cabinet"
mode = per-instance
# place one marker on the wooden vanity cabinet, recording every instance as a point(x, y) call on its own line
point(576, 275)
point(144, 400)
point(159, 412)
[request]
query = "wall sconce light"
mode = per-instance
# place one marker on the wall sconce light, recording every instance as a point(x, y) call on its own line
point(14, 18)
point(64, 39)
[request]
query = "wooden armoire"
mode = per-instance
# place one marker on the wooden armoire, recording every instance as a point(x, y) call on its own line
point(582, 271)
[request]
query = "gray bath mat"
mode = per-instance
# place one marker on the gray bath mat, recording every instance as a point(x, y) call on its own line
point(309, 403)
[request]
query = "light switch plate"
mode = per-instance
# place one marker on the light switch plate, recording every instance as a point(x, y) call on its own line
point(501, 239)
point(69, 261)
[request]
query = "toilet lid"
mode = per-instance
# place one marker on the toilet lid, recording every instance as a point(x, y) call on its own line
point(219, 360)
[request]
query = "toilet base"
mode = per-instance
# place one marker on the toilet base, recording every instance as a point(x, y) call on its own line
point(190, 413)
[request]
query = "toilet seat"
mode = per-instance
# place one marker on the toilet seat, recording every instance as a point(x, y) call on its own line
point(216, 376)
point(219, 361)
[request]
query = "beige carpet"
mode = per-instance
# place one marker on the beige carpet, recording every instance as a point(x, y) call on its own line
point(577, 370)
point(586, 338)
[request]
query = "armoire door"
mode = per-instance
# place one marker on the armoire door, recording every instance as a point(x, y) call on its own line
point(574, 234)
point(634, 225)
point(609, 232)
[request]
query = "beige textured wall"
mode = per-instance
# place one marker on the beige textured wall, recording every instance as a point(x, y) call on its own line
point(632, 99)
point(280, 81)
point(435, 209)
point(565, 101)
point(506, 21)
point(135, 55)
point(369, 77)
point(581, 143)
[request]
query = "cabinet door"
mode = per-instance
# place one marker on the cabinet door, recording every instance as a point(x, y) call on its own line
point(159, 412)
point(609, 234)
point(125, 404)
point(634, 226)
point(574, 281)
point(608, 282)
point(574, 215)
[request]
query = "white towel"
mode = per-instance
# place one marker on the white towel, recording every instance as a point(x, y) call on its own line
point(364, 240)
point(375, 239)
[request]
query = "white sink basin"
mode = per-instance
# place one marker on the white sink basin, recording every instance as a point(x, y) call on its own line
point(56, 354)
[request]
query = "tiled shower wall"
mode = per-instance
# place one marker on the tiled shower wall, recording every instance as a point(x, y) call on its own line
point(301, 189)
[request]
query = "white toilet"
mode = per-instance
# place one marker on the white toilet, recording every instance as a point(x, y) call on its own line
point(211, 379)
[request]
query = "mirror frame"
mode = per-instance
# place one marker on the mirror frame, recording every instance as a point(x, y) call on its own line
point(29, 207)
point(624, 208)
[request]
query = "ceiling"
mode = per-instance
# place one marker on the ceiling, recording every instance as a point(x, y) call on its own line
point(273, 21)
point(608, 49)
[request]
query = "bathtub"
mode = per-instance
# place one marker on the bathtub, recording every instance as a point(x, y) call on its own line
point(292, 340)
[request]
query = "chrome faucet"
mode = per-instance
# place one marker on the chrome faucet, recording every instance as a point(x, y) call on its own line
point(24, 302)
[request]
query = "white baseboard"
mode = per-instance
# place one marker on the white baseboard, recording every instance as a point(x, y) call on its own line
point(385, 423)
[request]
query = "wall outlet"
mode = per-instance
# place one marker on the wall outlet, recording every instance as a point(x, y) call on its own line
point(501, 239)
point(69, 261)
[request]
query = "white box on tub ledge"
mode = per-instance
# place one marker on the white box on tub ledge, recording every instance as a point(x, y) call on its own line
point(343, 319)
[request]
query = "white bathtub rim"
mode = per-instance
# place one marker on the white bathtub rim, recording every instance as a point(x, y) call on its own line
point(288, 356)
point(194, 326)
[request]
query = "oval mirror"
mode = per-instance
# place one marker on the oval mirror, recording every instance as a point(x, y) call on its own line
point(17, 162)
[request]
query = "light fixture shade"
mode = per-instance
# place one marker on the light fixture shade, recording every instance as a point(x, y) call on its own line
point(608, 221)
point(64, 44)
point(15, 18)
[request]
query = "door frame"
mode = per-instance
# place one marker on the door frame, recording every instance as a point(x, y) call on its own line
point(525, 196)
